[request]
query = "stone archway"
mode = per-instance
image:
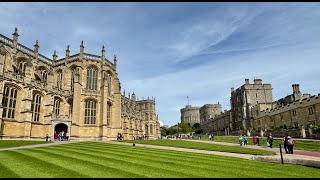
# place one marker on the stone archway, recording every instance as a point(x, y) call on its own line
point(61, 127)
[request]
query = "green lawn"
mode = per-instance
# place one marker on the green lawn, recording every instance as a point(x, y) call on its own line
point(15, 143)
point(97, 159)
point(304, 145)
point(203, 146)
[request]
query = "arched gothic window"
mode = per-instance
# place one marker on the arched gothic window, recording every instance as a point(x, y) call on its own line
point(22, 68)
point(35, 106)
point(109, 83)
point(151, 128)
point(56, 107)
point(146, 129)
point(90, 112)
point(92, 78)
point(73, 72)
point(9, 101)
point(59, 79)
point(108, 114)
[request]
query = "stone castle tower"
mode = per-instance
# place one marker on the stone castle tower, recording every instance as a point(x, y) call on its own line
point(246, 96)
point(190, 114)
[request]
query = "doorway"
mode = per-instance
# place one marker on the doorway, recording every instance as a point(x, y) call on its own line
point(61, 127)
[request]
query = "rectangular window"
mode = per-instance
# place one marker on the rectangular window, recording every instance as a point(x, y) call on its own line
point(310, 110)
point(108, 114)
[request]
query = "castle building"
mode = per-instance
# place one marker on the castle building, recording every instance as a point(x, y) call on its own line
point(79, 94)
point(246, 96)
point(295, 110)
point(190, 115)
point(219, 123)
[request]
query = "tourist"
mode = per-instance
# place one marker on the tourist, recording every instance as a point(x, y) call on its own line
point(258, 141)
point(254, 140)
point(290, 144)
point(245, 140)
point(62, 135)
point(270, 140)
point(240, 139)
point(210, 137)
point(67, 136)
point(47, 137)
point(55, 136)
point(285, 143)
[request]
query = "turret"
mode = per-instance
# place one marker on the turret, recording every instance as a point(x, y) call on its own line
point(36, 50)
point(133, 97)
point(115, 61)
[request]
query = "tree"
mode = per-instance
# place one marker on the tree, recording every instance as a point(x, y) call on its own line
point(185, 128)
point(164, 131)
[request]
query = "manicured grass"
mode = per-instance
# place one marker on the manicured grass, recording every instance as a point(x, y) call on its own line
point(15, 143)
point(203, 146)
point(303, 145)
point(97, 159)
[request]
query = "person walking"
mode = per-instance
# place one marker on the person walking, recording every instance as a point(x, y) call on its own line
point(55, 136)
point(258, 141)
point(240, 140)
point(290, 144)
point(210, 137)
point(67, 136)
point(47, 138)
point(245, 140)
point(270, 140)
point(254, 140)
point(285, 143)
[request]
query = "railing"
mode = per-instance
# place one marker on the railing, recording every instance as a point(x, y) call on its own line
point(74, 57)
point(6, 40)
point(25, 49)
point(44, 59)
point(91, 57)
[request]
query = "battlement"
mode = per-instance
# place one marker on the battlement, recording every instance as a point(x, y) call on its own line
point(296, 104)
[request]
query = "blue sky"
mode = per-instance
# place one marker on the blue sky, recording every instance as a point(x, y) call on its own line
point(175, 50)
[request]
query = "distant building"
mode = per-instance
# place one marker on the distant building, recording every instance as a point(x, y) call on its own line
point(190, 115)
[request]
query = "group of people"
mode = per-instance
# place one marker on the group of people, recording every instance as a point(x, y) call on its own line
point(61, 136)
point(243, 140)
point(288, 143)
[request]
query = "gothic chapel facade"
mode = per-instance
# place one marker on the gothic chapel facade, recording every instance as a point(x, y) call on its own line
point(79, 94)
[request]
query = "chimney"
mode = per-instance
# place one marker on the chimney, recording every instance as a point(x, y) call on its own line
point(257, 81)
point(296, 89)
point(246, 81)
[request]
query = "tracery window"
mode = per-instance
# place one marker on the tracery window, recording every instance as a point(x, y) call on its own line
point(35, 106)
point(59, 79)
point(108, 114)
point(9, 101)
point(90, 112)
point(151, 129)
point(92, 78)
point(56, 107)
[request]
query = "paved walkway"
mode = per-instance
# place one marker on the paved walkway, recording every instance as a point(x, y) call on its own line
point(274, 149)
point(38, 145)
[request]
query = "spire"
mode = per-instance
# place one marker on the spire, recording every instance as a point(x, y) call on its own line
point(36, 49)
point(68, 51)
point(15, 38)
point(81, 50)
point(103, 57)
point(55, 55)
point(115, 61)
point(124, 93)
